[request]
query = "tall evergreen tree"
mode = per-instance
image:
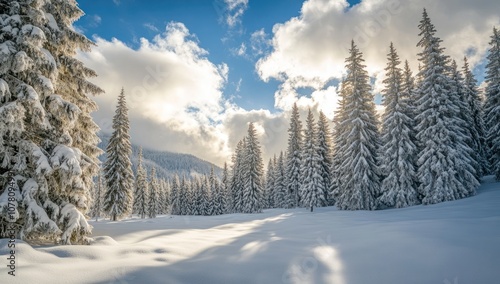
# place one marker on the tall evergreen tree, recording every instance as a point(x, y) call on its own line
point(399, 188)
point(324, 141)
point(269, 190)
point(118, 168)
point(294, 159)
point(141, 196)
point(253, 172)
point(96, 209)
point(280, 190)
point(442, 156)
point(237, 177)
point(357, 137)
point(48, 140)
point(183, 197)
point(225, 188)
point(478, 132)
point(492, 104)
point(174, 196)
point(153, 195)
point(312, 188)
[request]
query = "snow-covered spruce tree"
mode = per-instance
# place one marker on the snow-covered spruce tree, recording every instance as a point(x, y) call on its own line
point(174, 196)
point(183, 197)
point(205, 197)
point(225, 187)
point(141, 196)
point(357, 137)
point(294, 159)
point(399, 188)
point(237, 177)
point(443, 157)
point(468, 163)
point(153, 195)
point(337, 148)
point(312, 190)
point(197, 203)
point(324, 141)
point(97, 198)
point(253, 172)
point(163, 200)
point(48, 140)
point(269, 190)
point(478, 138)
point(211, 204)
point(409, 93)
point(117, 167)
point(280, 190)
point(492, 104)
point(218, 198)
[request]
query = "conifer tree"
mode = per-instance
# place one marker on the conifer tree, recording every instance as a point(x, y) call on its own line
point(312, 187)
point(153, 195)
point(48, 140)
point(478, 132)
point(324, 141)
point(358, 183)
point(141, 197)
point(237, 177)
point(442, 157)
point(398, 150)
point(118, 168)
point(253, 172)
point(174, 196)
point(294, 159)
point(225, 188)
point(280, 190)
point(269, 191)
point(96, 209)
point(183, 197)
point(492, 104)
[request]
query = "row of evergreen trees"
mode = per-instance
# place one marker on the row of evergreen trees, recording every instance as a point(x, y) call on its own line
point(432, 145)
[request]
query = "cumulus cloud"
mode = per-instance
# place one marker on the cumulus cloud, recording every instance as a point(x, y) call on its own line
point(174, 95)
point(309, 50)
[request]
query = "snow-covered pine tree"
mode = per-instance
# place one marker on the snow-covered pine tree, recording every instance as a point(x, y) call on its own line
point(478, 143)
point(141, 196)
point(269, 191)
point(253, 171)
point(280, 190)
point(153, 195)
point(338, 133)
point(399, 188)
point(197, 208)
point(164, 202)
point(312, 190)
point(492, 104)
point(468, 161)
point(218, 198)
point(225, 187)
point(48, 140)
point(117, 167)
point(174, 196)
point(409, 93)
point(359, 181)
point(97, 198)
point(212, 198)
point(175, 208)
point(183, 197)
point(442, 157)
point(206, 195)
point(237, 177)
point(294, 159)
point(324, 142)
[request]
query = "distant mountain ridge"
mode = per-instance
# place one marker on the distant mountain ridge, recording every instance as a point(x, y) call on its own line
point(167, 164)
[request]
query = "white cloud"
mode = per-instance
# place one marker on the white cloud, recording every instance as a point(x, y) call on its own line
point(241, 51)
point(235, 10)
point(174, 95)
point(151, 27)
point(309, 50)
point(260, 42)
point(117, 2)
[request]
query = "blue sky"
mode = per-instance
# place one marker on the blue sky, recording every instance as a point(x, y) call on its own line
point(197, 72)
point(129, 20)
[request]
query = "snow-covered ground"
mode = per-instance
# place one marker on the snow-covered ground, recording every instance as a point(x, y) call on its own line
point(453, 242)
